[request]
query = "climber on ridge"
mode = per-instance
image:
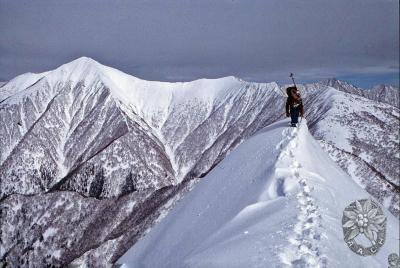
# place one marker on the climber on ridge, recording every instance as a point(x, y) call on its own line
point(294, 105)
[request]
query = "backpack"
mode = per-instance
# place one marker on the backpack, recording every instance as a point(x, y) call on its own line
point(289, 89)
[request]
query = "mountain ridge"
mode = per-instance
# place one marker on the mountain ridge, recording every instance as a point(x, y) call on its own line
point(277, 200)
point(382, 93)
point(92, 133)
point(70, 131)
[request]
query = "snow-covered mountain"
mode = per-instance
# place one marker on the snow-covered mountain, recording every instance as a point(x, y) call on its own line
point(91, 157)
point(87, 131)
point(382, 93)
point(276, 201)
point(342, 86)
point(361, 135)
point(90, 124)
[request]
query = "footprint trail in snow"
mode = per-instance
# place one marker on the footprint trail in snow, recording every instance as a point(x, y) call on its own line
point(303, 247)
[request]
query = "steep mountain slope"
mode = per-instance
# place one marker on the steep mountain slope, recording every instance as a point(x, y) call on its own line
point(18, 84)
point(90, 157)
point(87, 131)
point(361, 136)
point(342, 86)
point(71, 134)
point(90, 112)
point(382, 93)
point(276, 201)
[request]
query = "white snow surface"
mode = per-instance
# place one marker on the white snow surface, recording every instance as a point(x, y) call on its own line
point(276, 201)
point(146, 98)
point(18, 84)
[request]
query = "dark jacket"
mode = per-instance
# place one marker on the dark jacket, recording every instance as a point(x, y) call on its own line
point(292, 103)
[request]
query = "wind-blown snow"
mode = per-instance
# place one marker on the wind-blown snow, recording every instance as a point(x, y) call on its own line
point(276, 200)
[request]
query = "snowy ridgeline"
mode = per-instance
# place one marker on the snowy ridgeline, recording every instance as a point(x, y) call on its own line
point(382, 93)
point(107, 124)
point(99, 155)
point(275, 201)
point(81, 143)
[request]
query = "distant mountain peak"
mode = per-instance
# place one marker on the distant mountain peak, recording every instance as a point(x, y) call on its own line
point(79, 62)
point(381, 93)
point(384, 87)
point(336, 82)
point(77, 69)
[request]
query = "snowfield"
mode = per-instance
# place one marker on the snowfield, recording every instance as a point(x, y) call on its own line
point(276, 201)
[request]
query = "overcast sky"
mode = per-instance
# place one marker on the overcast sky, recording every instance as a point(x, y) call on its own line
point(184, 40)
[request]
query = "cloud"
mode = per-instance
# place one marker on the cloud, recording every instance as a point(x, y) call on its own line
point(185, 40)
